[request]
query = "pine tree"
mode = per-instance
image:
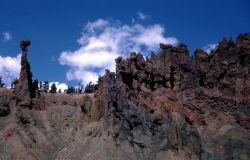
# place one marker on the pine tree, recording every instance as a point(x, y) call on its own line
point(70, 90)
point(231, 42)
point(14, 83)
point(90, 88)
point(46, 86)
point(1, 82)
point(53, 88)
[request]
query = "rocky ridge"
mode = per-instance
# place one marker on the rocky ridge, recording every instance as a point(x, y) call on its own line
point(168, 106)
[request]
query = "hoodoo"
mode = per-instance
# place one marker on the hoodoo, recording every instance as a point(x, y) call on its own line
point(25, 90)
point(168, 106)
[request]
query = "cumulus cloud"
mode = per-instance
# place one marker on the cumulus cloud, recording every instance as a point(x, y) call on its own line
point(10, 68)
point(209, 47)
point(102, 41)
point(62, 86)
point(7, 36)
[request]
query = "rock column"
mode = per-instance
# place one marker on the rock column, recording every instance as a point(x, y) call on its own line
point(23, 90)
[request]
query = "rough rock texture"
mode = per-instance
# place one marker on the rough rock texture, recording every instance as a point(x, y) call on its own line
point(4, 103)
point(23, 88)
point(169, 106)
point(25, 91)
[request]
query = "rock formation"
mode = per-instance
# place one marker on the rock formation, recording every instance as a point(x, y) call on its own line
point(169, 106)
point(181, 103)
point(24, 44)
point(25, 90)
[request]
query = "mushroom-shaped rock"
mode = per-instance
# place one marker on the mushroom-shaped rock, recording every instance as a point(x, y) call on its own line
point(24, 90)
point(24, 44)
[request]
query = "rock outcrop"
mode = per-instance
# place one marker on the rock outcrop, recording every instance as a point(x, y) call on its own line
point(26, 90)
point(24, 87)
point(193, 107)
point(168, 106)
point(224, 73)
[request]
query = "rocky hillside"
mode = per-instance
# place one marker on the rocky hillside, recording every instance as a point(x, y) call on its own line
point(168, 106)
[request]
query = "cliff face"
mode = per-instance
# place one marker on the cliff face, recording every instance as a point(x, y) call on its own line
point(169, 106)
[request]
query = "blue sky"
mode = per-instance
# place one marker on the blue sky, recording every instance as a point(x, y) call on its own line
point(57, 27)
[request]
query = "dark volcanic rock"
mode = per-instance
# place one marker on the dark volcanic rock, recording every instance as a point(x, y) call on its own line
point(24, 86)
point(169, 106)
point(150, 132)
point(26, 90)
point(24, 44)
point(152, 98)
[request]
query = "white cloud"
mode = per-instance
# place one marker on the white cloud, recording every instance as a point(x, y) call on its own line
point(103, 41)
point(209, 47)
point(152, 36)
point(10, 68)
point(142, 16)
point(7, 36)
point(59, 86)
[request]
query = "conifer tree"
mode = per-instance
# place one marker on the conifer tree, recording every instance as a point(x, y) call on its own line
point(1, 82)
point(53, 88)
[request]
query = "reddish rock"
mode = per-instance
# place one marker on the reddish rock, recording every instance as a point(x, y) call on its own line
point(169, 106)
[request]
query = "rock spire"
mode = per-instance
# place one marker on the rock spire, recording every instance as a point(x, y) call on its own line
point(24, 91)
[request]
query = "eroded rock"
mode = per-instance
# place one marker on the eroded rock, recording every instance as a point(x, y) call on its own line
point(168, 106)
point(26, 90)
